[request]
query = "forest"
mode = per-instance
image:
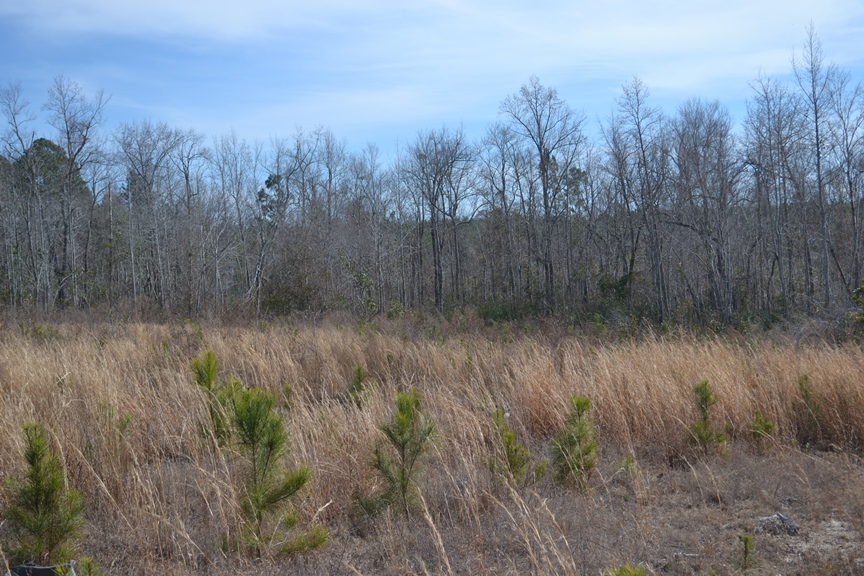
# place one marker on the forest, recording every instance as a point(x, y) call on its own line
point(691, 217)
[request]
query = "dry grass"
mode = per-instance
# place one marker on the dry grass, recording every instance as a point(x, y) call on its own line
point(121, 406)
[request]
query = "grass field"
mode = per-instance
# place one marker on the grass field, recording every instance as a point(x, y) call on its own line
point(121, 406)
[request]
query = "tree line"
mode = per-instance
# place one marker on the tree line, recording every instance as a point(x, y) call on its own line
point(678, 218)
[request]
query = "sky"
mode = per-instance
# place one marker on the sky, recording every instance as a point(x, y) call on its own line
point(383, 70)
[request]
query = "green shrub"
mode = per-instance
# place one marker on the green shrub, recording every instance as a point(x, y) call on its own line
point(702, 433)
point(507, 312)
point(408, 434)
point(46, 519)
point(574, 450)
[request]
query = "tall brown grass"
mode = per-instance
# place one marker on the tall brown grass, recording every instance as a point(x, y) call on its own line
point(120, 404)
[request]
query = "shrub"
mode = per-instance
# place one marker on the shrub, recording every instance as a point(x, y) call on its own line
point(574, 450)
point(46, 518)
point(408, 434)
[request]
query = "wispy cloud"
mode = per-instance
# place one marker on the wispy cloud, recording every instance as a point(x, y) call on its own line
point(408, 65)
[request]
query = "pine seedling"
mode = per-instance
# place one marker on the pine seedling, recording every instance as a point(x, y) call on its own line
point(268, 487)
point(218, 394)
point(357, 388)
point(627, 570)
point(761, 428)
point(512, 459)
point(45, 517)
point(702, 433)
point(807, 415)
point(408, 434)
point(574, 450)
point(87, 566)
point(747, 559)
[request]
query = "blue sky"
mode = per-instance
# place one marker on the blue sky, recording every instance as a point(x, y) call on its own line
point(382, 70)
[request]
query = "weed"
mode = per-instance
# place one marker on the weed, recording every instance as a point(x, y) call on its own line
point(46, 518)
point(574, 450)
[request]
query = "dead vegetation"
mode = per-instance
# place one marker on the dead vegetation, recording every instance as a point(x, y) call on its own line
point(120, 403)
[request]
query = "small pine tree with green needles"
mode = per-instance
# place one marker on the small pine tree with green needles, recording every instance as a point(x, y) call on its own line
point(512, 458)
point(574, 450)
point(358, 386)
point(45, 517)
point(747, 559)
point(218, 394)
point(702, 433)
point(627, 570)
point(86, 566)
point(262, 442)
point(409, 434)
point(807, 415)
point(761, 428)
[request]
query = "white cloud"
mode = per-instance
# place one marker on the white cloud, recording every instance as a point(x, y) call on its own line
point(420, 63)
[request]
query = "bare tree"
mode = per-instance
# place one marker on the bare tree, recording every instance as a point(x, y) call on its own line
point(145, 150)
point(847, 127)
point(706, 186)
point(554, 131)
point(645, 131)
point(815, 80)
point(435, 167)
point(76, 119)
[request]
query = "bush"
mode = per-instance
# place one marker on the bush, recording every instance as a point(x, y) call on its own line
point(574, 450)
point(46, 518)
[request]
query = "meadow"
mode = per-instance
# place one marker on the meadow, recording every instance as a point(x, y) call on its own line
point(121, 406)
